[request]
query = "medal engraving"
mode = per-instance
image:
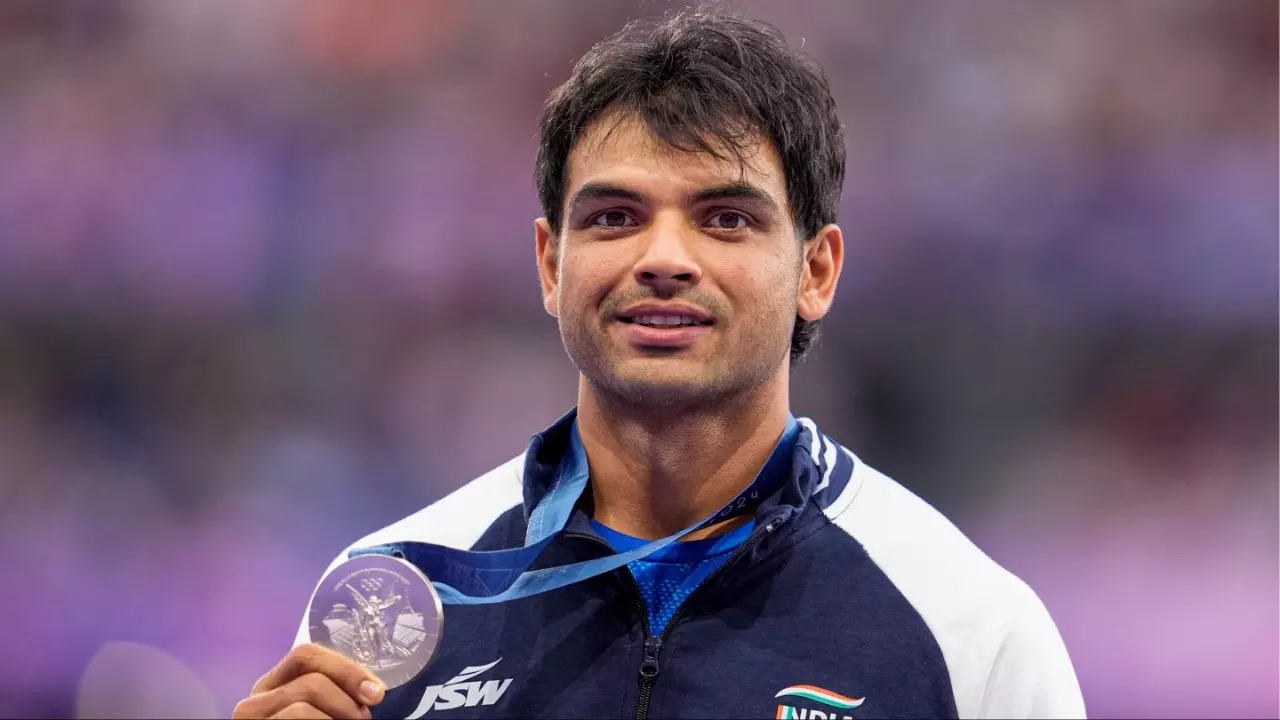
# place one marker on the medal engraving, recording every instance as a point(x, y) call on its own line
point(380, 612)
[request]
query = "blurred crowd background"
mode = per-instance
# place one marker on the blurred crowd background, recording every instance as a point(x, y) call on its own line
point(267, 283)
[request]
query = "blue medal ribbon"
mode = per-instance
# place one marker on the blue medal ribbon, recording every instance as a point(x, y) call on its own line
point(481, 577)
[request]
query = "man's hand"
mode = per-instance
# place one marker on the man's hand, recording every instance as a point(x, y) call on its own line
point(313, 681)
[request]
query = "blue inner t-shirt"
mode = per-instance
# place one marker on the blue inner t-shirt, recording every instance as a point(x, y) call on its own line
point(668, 576)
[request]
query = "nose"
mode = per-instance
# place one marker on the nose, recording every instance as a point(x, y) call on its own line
point(667, 264)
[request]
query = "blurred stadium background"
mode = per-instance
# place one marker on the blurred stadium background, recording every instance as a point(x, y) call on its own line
point(267, 283)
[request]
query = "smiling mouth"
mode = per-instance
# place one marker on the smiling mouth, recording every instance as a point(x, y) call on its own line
point(664, 321)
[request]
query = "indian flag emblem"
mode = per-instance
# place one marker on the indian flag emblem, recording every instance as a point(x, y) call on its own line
point(816, 694)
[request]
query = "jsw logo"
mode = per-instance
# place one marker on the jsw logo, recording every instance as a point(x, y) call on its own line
point(462, 691)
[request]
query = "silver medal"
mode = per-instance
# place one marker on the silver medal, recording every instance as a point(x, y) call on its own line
point(380, 612)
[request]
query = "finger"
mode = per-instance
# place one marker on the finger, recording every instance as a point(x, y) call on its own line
point(250, 707)
point(317, 658)
point(318, 691)
point(299, 661)
point(301, 711)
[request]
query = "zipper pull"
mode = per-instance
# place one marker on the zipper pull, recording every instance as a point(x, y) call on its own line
point(649, 666)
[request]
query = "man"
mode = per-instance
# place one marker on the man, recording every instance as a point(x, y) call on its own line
point(690, 172)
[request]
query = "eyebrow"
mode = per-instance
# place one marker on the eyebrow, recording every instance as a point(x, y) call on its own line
point(732, 191)
point(602, 191)
point(735, 191)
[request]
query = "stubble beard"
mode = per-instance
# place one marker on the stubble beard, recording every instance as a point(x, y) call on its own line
point(714, 386)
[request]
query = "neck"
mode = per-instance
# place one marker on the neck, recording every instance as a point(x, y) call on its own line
point(654, 475)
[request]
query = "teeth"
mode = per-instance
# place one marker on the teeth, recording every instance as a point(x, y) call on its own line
point(664, 320)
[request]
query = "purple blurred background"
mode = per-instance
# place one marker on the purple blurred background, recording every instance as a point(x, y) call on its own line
point(267, 283)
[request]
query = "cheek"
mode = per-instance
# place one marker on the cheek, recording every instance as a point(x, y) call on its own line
point(585, 279)
point(766, 286)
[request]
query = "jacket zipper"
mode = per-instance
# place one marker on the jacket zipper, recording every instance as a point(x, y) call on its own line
point(649, 667)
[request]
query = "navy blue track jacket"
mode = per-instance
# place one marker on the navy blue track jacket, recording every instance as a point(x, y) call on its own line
point(853, 598)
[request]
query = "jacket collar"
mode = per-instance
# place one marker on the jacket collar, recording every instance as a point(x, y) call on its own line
point(557, 451)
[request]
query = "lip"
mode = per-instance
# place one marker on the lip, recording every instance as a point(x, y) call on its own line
point(660, 308)
point(670, 336)
point(674, 336)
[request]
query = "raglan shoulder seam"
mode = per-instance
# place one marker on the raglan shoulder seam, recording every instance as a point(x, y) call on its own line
point(963, 596)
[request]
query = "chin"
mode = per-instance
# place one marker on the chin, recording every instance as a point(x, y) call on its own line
point(668, 382)
point(652, 389)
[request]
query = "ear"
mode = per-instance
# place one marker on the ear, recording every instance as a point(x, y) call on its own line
point(823, 260)
point(548, 248)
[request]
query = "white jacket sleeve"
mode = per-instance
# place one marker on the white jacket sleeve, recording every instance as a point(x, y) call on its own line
point(1032, 676)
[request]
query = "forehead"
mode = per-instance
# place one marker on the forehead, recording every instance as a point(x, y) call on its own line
point(618, 148)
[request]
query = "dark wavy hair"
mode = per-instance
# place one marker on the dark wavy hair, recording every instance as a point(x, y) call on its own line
point(710, 82)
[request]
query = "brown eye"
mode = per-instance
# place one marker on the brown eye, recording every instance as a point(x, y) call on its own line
point(611, 219)
point(728, 220)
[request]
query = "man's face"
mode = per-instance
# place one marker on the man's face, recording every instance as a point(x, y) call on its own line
point(675, 276)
